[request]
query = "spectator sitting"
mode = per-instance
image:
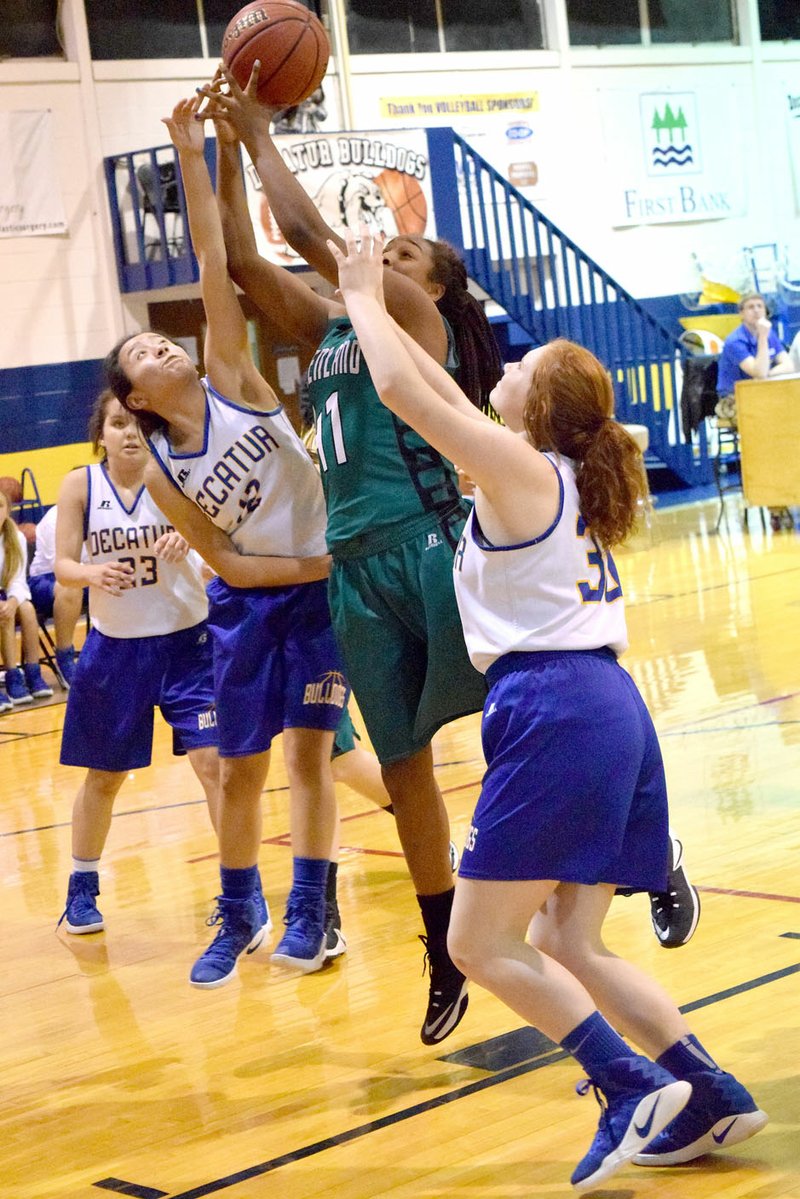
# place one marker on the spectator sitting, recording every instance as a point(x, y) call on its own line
point(50, 598)
point(21, 684)
point(753, 351)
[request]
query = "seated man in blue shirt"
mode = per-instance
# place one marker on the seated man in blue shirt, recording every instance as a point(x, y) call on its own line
point(753, 351)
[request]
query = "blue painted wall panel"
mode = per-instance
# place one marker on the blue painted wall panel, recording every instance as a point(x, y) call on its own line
point(49, 405)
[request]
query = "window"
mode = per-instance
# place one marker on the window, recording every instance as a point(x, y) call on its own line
point(167, 29)
point(650, 22)
point(431, 26)
point(138, 29)
point(29, 30)
point(780, 20)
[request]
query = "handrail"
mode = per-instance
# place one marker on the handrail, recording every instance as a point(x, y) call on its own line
point(551, 288)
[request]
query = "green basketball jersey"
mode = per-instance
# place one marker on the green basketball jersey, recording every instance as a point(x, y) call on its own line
point(376, 470)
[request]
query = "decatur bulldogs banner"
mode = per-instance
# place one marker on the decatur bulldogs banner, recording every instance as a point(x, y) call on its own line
point(379, 178)
point(30, 204)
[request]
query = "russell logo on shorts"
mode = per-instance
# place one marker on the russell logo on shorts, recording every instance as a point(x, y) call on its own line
point(330, 689)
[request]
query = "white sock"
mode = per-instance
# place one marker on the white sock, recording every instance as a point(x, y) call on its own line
point(85, 865)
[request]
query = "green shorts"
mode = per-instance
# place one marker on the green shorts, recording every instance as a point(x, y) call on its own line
point(395, 618)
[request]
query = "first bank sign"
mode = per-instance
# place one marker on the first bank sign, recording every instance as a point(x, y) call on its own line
point(671, 157)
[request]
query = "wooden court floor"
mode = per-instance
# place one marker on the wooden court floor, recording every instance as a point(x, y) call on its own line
point(119, 1078)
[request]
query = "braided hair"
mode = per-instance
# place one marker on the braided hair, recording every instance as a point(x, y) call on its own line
point(478, 356)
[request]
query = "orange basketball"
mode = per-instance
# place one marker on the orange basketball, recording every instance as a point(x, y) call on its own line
point(289, 42)
point(405, 197)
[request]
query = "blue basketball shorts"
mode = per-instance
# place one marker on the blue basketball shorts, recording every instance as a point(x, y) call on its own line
point(118, 684)
point(276, 663)
point(43, 590)
point(574, 788)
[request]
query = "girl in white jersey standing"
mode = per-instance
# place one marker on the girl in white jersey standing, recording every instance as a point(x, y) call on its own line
point(573, 802)
point(227, 464)
point(148, 645)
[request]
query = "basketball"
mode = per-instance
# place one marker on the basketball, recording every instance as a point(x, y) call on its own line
point(404, 196)
point(289, 42)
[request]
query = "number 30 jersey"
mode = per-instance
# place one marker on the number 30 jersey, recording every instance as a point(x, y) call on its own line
point(560, 591)
point(166, 597)
point(253, 478)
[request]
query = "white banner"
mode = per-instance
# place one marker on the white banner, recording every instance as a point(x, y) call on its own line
point(30, 203)
point(505, 128)
point(792, 109)
point(673, 156)
point(382, 179)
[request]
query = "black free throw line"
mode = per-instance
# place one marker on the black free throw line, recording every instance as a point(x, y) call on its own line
point(472, 1088)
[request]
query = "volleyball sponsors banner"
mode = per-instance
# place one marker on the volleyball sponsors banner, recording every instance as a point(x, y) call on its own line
point(379, 178)
point(792, 110)
point(30, 204)
point(505, 128)
point(672, 156)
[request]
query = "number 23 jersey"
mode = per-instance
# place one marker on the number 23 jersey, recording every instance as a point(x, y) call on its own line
point(166, 597)
point(559, 591)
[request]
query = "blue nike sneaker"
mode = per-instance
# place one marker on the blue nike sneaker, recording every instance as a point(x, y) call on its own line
point(719, 1114)
point(303, 945)
point(240, 931)
point(637, 1099)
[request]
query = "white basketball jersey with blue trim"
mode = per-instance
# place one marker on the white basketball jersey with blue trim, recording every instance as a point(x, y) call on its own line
point(558, 592)
point(166, 597)
point(253, 478)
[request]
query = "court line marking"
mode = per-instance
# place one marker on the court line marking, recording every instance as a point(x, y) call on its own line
point(195, 803)
point(469, 1089)
point(665, 596)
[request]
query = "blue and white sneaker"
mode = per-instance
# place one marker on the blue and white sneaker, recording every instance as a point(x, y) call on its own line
point(81, 913)
point(65, 660)
point(241, 931)
point(720, 1113)
point(34, 681)
point(17, 690)
point(303, 945)
point(262, 907)
point(5, 703)
point(637, 1099)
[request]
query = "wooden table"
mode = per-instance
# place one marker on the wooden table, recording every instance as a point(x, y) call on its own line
point(768, 415)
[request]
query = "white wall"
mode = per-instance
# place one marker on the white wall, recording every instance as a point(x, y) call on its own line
point(58, 295)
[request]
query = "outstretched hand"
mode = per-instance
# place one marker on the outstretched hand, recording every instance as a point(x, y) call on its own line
point(361, 265)
point(238, 107)
point(226, 134)
point(186, 132)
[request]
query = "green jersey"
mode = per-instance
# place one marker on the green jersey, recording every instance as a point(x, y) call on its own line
point(376, 470)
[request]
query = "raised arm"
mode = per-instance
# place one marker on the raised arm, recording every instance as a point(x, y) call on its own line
point(515, 479)
point(301, 222)
point(216, 548)
point(227, 353)
point(290, 302)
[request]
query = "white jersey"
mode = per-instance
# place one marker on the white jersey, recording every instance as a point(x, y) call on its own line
point(166, 596)
point(558, 592)
point(253, 478)
point(44, 559)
